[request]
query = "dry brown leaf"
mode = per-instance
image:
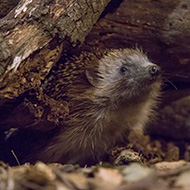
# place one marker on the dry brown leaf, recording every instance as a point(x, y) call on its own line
point(77, 180)
point(135, 172)
point(108, 175)
point(170, 165)
point(45, 170)
point(183, 180)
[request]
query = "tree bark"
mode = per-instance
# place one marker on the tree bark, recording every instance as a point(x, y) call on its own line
point(34, 34)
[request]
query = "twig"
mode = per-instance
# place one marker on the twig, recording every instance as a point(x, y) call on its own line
point(12, 151)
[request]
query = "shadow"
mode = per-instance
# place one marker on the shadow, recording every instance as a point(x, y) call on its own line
point(111, 7)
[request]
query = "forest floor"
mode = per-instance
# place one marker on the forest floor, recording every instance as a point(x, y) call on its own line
point(129, 171)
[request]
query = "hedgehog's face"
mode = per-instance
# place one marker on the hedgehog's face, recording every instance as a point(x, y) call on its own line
point(124, 72)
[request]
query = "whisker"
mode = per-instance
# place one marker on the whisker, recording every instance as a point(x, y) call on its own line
point(172, 84)
point(176, 75)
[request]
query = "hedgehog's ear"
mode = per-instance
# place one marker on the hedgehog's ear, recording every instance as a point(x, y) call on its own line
point(92, 76)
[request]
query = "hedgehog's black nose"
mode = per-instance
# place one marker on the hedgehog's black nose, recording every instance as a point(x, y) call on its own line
point(154, 70)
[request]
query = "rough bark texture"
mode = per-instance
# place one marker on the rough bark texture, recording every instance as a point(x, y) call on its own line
point(6, 6)
point(33, 36)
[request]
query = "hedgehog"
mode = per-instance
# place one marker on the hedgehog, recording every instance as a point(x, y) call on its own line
point(112, 96)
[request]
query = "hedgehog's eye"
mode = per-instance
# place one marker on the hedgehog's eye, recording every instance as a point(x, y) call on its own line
point(123, 69)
